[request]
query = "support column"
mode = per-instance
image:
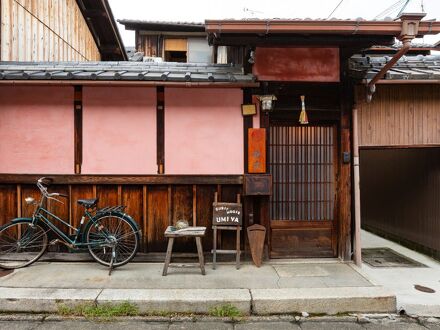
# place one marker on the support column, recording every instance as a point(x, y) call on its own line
point(357, 195)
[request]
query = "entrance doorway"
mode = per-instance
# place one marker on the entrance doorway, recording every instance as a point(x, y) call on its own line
point(303, 164)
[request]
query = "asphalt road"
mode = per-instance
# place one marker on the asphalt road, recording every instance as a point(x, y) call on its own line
point(12, 322)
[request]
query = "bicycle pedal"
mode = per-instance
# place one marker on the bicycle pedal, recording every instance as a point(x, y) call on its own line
point(54, 242)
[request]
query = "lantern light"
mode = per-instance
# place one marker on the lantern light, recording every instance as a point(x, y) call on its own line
point(267, 102)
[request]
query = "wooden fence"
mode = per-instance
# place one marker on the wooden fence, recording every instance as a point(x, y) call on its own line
point(153, 201)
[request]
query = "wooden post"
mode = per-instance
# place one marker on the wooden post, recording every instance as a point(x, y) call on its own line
point(78, 129)
point(214, 247)
point(357, 194)
point(160, 126)
point(345, 189)
point(168, 256)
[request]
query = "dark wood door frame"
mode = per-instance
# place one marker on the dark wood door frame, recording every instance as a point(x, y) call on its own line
point(311, 237)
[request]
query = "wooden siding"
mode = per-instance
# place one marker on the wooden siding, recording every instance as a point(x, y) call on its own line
point(400, 191)
point(401, 115)
point(51, 30)
point(153, 206)
point(148, 44)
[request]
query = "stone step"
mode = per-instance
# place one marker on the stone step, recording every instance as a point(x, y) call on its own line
point(373, 299)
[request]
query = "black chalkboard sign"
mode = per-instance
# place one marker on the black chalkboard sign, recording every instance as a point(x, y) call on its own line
point(227, 214)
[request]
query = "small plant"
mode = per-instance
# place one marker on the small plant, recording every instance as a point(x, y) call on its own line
point(105, 311)
point(227, 310)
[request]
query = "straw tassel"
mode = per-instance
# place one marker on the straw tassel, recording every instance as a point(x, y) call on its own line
point(303, 120)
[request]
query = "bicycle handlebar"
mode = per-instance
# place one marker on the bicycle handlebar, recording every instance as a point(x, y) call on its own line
point(42, 182)
point(58, 194)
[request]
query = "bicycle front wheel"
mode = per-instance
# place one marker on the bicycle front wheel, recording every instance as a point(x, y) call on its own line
point(112, 229)
point(21, 243)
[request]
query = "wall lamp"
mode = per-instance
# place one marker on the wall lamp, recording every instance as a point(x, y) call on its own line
point(267, 102)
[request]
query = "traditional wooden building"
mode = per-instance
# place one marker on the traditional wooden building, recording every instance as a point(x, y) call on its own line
point(399, 140)
point(63, 30)
point(164, 138)
point(171, 41)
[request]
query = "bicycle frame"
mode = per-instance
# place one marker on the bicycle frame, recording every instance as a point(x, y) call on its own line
point(42, 214)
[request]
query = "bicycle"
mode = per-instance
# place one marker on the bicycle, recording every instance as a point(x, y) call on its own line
point(110, 235)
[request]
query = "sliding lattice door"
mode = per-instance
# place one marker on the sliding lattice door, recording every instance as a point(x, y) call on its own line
point(302, 161)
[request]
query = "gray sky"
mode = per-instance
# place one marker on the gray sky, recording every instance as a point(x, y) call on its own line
point(199, 10)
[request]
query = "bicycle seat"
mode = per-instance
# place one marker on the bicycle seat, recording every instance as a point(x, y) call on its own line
point(88, 202)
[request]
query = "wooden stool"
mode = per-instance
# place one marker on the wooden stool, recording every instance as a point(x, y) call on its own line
point(196, 232)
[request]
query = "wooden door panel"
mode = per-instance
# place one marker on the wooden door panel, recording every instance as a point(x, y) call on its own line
point(301, 239)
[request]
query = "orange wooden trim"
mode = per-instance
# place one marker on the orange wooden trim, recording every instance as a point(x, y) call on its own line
point(257, 150)
point(391, 28)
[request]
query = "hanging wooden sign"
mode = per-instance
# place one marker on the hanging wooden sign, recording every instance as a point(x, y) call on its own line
point(257, 150)
point(227, 214)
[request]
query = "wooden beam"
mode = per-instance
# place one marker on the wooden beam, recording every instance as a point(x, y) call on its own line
point(247, 123)
point(160, 129)
point(304, 40)
point(183, 84)
point(78, 114)
point(95, 13)
point(124, 179)
point(399, 146)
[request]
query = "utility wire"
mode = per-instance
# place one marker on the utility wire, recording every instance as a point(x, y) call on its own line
point(401, 3)
point(335, 8)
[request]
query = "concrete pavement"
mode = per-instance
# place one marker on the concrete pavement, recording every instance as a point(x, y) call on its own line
point(282, 286)
point(401, 280)
point(329, 287)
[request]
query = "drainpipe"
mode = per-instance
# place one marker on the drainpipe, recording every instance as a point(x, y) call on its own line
point(410, 27)
point(357, 192)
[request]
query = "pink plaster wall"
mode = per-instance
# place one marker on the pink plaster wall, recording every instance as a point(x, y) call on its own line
point(119, 130)
point(36, 129)
point(203, 131)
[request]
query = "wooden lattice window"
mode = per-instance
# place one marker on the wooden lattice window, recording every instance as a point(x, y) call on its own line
point(302, 163)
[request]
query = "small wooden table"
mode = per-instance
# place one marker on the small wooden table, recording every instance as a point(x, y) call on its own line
point(196, 232)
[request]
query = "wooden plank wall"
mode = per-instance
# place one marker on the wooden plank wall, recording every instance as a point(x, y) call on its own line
point(154, 207)
point(50, 30)
point(401, 115)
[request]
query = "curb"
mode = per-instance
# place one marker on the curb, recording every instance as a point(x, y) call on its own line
point(323, 300)
point(200, 301)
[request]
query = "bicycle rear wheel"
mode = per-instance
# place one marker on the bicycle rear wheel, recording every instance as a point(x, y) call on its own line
point(110, 229)
point(21, 243)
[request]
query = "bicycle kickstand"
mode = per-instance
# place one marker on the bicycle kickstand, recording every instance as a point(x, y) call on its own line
point(112, 260)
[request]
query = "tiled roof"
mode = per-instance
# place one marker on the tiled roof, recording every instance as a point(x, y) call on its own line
point(131, 24)
point(407, 68)
point(137, 21)
point(124, 71)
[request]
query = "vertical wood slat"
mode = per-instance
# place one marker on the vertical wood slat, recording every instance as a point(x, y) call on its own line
point(38, 30)
point(145, 217)
point(194, 204)
point(400, 116)
point(19, 200)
